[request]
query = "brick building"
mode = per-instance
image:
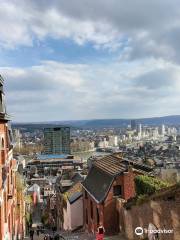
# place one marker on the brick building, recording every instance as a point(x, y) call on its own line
point(11, 222)
point(109, 177)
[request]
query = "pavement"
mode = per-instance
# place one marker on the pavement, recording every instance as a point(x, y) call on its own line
point(36, 217)
point(37, 213)
point(81, 236)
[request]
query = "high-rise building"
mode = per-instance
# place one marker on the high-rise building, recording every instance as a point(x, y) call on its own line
point(139, 130)
point(162, 130)
point(57, 140)
point(113, 141)
point(133, 124)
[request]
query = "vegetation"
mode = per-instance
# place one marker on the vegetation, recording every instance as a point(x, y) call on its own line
point(45, 218)
point(28, 218)
point(19, 183)
point(146, 185)
point(29, 149)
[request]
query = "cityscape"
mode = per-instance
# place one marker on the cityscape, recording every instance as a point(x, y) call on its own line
point(89, 120)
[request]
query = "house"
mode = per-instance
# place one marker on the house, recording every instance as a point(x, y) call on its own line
point(109, 177)
point(74, 200)
point(11, 203)
point(73, 208)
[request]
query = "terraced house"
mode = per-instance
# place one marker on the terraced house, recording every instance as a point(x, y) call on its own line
point(11, 219)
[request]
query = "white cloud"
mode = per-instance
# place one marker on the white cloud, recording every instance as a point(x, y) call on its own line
point(22, 22)
point(56, 91)
point(152, 27)
point(144, 81)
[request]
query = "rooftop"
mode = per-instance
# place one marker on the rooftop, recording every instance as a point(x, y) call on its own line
point(52, 156)
point(74, 193)
point(97, 183)
point(103, 172)
point(115, 165)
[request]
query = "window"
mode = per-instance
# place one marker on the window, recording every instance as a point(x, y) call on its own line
point(11, 177)
point(91, 209)
point(97, 213)
point(2, 143)
point(86, 216)
point(117, 190)
point(86, 196)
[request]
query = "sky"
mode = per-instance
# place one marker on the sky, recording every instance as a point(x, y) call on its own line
point(89, 59)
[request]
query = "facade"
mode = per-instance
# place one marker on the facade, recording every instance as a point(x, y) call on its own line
point(57, 140)
point(73, 209)
point(11, 222)
point(69, 203)
point(109, 178)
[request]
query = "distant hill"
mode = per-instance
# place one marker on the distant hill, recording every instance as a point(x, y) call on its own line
point(102, 123)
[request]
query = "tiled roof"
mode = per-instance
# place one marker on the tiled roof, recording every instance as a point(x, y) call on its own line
point(77, 188)
point(111, 165)
point(115, 165)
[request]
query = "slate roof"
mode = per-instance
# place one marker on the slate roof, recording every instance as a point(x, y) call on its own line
point(77, 177)
point(75, 197)
point(97, 183)
point(74, 192)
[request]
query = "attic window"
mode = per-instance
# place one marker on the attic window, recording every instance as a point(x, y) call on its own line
point(117, 190)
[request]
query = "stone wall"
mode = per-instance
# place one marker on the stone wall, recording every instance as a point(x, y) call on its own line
point(162, 211)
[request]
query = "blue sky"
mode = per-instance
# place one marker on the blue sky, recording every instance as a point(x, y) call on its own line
point(63, 50)
point(83, 59)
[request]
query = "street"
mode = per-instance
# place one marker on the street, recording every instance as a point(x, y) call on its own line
point(81, 236)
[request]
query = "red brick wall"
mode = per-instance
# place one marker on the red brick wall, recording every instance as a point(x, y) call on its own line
point(111, 218)
point(128, 185)
point(92, 222)
point(7, 206)
point(108, 213)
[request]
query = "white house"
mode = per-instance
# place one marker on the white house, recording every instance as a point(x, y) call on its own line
point(73, 212)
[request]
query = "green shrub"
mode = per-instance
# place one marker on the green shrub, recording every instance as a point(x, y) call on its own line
point(148, 185)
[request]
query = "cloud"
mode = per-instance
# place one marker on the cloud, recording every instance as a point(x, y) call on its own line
point(58, 91)
point(142, 81)
point(151, 28)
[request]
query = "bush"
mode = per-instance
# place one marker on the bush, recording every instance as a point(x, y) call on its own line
point(148, 185)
